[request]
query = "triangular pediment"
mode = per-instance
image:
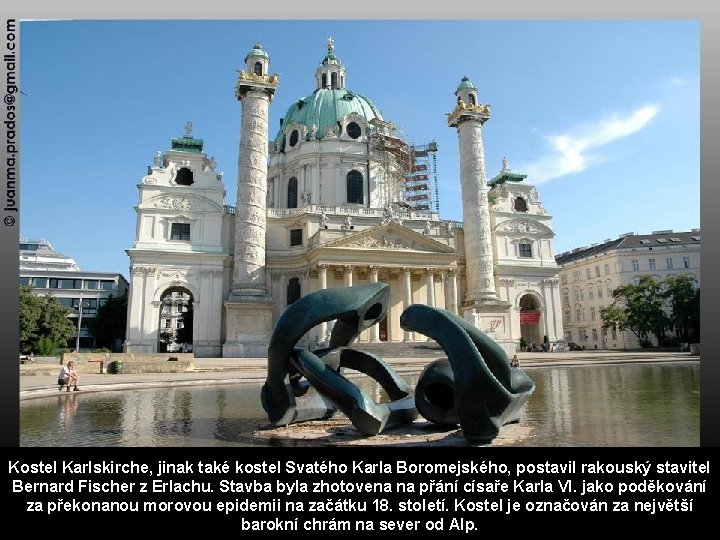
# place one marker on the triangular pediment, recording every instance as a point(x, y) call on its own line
point(390, 237)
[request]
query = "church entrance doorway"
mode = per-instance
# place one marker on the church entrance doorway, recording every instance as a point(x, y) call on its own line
point(530, 315)
point(383, 329)
point(176, 321)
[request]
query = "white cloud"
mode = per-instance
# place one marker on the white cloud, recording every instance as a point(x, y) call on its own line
point(571, 152)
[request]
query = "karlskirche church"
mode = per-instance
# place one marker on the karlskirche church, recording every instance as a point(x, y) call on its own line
point(334, 198)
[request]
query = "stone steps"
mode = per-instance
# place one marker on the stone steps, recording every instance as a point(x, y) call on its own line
point(428, 349)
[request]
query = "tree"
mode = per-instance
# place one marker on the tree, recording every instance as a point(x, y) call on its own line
point(614, 316)
point(185, 334)
point(166, 337)
point(42, 317)
point(639, 308)
point(109, 324)
point(683, 299)
point(30, 310)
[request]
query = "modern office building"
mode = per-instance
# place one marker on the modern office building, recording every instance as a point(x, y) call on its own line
point(51, 272)
point(589, 275)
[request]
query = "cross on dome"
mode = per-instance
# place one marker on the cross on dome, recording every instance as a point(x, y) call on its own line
point(330, 44)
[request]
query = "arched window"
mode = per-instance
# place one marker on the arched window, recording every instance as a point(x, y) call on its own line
point(293, 290)
point(355, 187)
point(258, 68)
point(333, 80)
point(520, 204)
point(184, 177)
point(292, 193)
point(324, 80)
point(472, 99)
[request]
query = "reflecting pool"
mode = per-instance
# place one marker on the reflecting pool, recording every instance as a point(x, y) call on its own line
point(605, 405)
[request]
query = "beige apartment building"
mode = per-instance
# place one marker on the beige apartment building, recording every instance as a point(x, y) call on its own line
point(589, 275)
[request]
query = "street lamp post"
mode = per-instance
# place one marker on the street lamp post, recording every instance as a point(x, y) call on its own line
point(77, 339)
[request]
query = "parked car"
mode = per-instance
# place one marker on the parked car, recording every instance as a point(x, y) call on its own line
point(575, 346)
point(560, 346)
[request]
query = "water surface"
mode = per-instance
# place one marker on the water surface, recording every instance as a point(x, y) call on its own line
point(605, 405)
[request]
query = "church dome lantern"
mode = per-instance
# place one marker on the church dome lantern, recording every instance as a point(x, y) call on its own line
point(331, 71)
point(467, 92)
point(257, 61)
point(331, 111)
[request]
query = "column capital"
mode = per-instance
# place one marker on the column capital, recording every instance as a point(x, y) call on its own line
point(407, 269)
point(349, 267)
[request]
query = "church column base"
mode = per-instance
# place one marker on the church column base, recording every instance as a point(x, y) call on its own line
point(207, 349)
point(248, 327)
point(140, 348)
point(493, 318)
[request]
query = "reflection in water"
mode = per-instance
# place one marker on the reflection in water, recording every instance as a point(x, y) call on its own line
point(610, 405)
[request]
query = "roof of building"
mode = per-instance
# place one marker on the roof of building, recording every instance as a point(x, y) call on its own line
point(187, 144)
point(38, 254)
point(324, 109)
point(466, 83)
point(257, 50)
point(625, 241)
point(506, 175)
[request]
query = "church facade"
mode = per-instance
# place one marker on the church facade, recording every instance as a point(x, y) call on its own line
point(330, 200)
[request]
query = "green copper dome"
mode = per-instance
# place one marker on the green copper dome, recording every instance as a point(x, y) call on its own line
point(257, 51)
point(324, 109)
point(466, 83)
point(331, 59)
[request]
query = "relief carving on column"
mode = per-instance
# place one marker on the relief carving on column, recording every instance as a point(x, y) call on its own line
point(252, 106)
point(250, 215)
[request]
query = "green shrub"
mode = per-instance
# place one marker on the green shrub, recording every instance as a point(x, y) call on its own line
point(45, 346)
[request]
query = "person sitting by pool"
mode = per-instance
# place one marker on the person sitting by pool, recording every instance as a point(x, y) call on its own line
point(68, 377)
point(515, 362)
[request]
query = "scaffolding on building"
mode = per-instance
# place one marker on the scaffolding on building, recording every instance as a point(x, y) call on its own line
point(420, 190)
point(394, 156)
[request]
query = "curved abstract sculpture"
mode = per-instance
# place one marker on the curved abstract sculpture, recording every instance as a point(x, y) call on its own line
point(287, 398)
point(475, 386)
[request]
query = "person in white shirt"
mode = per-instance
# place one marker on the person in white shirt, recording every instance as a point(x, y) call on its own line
point(68, 377)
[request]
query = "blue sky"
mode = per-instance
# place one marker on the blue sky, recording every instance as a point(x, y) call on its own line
point(603, 116)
